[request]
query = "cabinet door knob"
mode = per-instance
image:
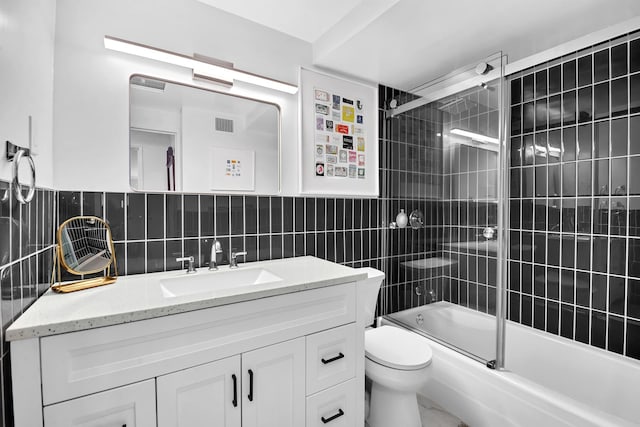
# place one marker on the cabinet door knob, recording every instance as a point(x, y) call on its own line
point(333, 359)
point(235, 391)
point(250, 386)
point(333, 417)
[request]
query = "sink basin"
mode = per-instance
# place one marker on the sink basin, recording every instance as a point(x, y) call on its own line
point(205, 282)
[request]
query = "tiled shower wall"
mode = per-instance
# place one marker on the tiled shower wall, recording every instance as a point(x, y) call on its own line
point(26, 253)
point(574, 261)
point(410, 179)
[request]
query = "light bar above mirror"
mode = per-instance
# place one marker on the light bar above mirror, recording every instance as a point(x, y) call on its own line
point(210, 70)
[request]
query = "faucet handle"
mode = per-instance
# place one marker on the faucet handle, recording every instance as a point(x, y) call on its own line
point(234, 258)
point(191, 266)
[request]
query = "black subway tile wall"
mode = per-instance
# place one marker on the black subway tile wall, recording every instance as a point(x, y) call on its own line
point(26, 255)
point(152, 230)
point(574, 205)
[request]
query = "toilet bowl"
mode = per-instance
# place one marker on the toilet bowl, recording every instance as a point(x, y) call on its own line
point(397, 363)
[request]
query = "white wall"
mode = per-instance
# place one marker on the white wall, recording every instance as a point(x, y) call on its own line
point(91, 98)
point(27, 30)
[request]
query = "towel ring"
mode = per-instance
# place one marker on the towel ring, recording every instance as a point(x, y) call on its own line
point(16, 180)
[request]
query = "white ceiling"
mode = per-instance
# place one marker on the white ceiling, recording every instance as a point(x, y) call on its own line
point(304, 19)
point(405, 43)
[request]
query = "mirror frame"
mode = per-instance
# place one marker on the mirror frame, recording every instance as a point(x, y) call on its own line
point(111, 268)
point(219, 92)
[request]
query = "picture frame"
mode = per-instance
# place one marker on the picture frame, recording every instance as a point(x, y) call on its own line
point(339, 139)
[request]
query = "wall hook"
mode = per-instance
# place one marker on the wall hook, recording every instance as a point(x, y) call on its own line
point(12, 150)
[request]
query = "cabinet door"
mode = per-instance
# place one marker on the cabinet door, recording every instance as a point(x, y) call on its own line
point(273, 391)
point(129, 406)
point(206, 395)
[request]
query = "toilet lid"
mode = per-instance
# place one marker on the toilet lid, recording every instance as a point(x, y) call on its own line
point(397, 348)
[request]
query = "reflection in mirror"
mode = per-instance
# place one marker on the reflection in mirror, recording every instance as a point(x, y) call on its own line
point(470, 127)
point(189, 139)
point(84, 247)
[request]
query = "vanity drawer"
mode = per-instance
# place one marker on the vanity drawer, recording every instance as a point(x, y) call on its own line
point(333, 407)
point(331, 357)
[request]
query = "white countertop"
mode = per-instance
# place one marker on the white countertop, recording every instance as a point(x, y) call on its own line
point(139, 297)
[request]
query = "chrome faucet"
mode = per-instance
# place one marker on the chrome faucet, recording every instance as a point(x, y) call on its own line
point(191, 266)
point(233, 262)
point(216, 255)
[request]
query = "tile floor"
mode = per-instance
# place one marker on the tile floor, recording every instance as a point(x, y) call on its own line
point(435, 417)
point(432, 415)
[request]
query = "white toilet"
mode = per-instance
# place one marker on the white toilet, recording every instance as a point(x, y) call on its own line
point(396, 362)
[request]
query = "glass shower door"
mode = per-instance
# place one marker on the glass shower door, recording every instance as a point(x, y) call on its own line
point(467, 107)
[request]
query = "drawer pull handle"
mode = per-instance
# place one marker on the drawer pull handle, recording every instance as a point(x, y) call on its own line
point(333, 359)
point(235, 391)
point(250, 386)
point(333, 417)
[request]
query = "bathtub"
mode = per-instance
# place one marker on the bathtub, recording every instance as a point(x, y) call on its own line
point(547, 380)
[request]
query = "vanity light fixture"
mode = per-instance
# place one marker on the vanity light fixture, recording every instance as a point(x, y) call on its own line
point(475, 136)
point(202, 68)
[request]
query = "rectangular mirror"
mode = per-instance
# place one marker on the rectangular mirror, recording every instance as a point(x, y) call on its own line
point(188, 139)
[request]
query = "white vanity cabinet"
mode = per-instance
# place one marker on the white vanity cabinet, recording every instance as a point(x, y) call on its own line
point(286, 360)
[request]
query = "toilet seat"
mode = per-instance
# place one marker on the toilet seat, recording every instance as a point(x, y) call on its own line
point(397, 348)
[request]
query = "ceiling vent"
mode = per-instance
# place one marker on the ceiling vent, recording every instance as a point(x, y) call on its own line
point(224, 125)
point(146, 83)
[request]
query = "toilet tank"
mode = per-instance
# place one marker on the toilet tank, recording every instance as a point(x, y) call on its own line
point(367, 293)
